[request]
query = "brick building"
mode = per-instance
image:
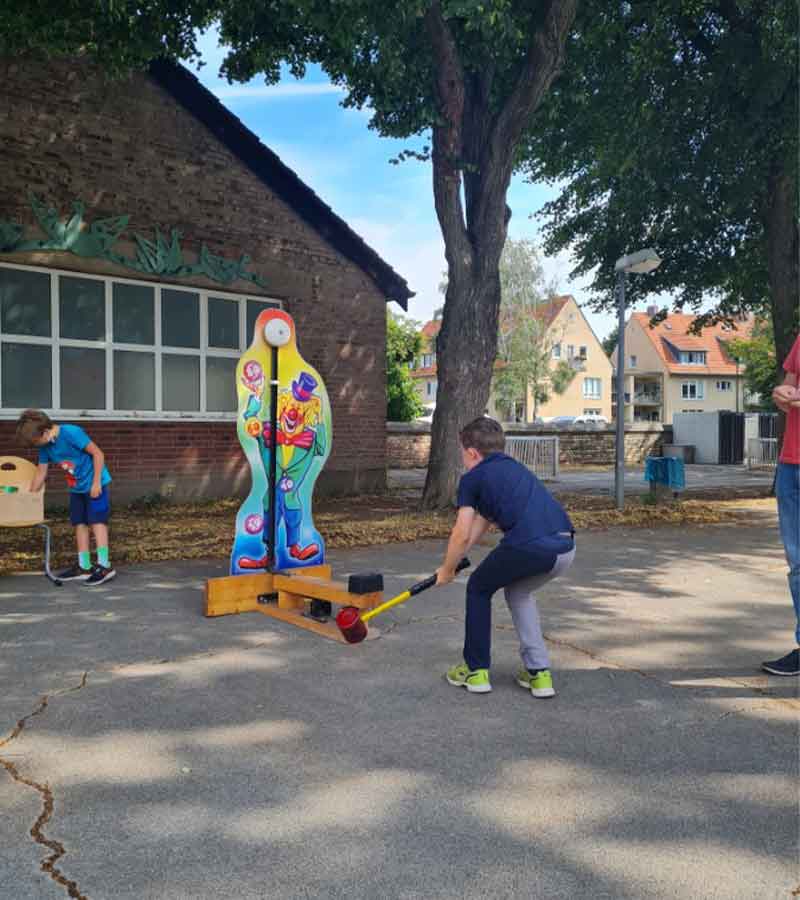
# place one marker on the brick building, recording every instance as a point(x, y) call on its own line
point(142, 230)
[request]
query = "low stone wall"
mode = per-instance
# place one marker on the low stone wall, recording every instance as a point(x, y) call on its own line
point(408, 444)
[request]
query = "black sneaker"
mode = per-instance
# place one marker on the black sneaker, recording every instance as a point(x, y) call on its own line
point(74, 573)
point(100, 575)
point(786, 665)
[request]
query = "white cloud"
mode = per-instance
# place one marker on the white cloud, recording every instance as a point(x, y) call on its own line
point(276, 91)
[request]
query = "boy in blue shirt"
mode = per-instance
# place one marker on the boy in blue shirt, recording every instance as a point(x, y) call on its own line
point(83, 464)
point(537, 545)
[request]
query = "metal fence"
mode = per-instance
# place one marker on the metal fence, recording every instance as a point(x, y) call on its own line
point(540, 454)
point(762, 453)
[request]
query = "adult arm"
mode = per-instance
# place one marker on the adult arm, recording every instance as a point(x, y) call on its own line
point(782, 396)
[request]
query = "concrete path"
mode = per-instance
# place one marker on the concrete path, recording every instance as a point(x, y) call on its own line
point(178, 757)
point(572, 481)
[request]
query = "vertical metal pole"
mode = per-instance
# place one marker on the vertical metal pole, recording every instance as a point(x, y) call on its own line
point(736, 384)
point(273, 460)
point(619, 457)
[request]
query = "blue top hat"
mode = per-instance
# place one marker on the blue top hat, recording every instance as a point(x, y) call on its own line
point(304, 387)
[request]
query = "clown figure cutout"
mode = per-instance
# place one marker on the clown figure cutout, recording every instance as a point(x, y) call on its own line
point(301, 444)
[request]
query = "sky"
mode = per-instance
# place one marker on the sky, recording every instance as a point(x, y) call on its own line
point(346, 164)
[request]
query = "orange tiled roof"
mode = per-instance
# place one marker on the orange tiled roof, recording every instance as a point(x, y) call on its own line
point(673, 333)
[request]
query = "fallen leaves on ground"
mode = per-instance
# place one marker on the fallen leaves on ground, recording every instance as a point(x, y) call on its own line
point(149, 533)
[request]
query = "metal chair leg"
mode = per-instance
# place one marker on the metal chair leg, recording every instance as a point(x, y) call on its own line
point(47, 571)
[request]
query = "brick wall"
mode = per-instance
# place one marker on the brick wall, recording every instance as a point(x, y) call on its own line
point(126, 147)
point(408, 446)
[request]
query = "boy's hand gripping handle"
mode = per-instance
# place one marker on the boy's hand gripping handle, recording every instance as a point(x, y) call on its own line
point(418, 588)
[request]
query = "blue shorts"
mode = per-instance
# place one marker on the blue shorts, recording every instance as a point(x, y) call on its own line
point(86, 510)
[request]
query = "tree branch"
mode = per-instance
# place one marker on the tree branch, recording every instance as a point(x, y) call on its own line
point(447, 151)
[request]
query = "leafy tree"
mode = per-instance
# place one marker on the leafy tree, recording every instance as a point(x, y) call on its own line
point(757, 355)
point(471, 73)
point(525, 340)
point(674, 126)
point(403, 344)
point(610, 341)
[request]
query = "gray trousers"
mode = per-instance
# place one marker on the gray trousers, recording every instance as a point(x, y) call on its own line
point(525, 613)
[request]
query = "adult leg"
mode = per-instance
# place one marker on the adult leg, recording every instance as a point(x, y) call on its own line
point(788, 491)
point(521, 600)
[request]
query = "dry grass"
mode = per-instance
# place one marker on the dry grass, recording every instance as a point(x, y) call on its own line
point(205, 530)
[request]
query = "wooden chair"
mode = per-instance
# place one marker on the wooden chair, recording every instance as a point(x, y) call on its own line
point(19, 508)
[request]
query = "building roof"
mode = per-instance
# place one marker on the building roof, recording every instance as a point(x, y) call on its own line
point(184, 87)
point(673, 332)
point(547, 311)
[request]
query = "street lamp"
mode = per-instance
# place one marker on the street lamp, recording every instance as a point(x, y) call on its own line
point(637, 263)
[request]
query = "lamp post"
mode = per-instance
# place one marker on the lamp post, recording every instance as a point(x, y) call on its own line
point(640, 262)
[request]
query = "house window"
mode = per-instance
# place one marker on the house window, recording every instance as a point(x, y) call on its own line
point(633, 361)
point(592, 388)
point(556, 351)
point(77, 344)
point(427, 360)
point(693, 357)
point(692, 390)
point(582, 352)
point(593, 412)
point(570, 351)
point(724, 385)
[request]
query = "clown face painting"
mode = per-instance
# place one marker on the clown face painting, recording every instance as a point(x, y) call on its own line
point(301, 445)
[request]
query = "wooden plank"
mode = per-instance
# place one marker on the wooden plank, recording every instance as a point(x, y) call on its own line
point(236, 593)
point(321, 571)
point(323, 589)
point(327, 629)
point(287, 600)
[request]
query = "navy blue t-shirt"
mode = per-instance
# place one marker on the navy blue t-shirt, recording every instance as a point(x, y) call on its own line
point(510, 496)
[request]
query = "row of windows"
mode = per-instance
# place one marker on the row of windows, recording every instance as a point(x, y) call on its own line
point(556, 352)
point(78, 344)
point(695, 390)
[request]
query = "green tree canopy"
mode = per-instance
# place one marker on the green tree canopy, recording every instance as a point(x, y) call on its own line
point(674, 126)
point(757, 355)
point(403, 344)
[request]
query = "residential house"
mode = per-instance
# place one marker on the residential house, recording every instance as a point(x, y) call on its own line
point(670, 370)
point(143, 228)
point(570, 339)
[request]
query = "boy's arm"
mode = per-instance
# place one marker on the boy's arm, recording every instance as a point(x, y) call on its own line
point(457, 546)
point(39, 478)
point(478, 529)
point(98, 460)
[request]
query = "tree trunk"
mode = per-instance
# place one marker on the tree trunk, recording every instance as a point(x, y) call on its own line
point(783, 249)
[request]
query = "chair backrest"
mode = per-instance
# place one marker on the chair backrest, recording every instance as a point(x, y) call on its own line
point(16, 472)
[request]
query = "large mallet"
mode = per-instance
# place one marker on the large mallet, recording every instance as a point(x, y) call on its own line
point(353, 625)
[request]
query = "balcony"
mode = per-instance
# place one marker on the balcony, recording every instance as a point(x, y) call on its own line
point(647, 398)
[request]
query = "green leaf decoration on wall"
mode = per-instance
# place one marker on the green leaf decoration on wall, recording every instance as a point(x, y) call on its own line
point(96, 240)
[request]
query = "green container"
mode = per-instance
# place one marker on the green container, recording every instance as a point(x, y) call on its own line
point(7, 489)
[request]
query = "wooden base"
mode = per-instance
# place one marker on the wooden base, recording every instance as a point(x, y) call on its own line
point(295, 587)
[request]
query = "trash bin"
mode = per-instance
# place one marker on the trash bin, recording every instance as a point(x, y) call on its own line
point(667, 471)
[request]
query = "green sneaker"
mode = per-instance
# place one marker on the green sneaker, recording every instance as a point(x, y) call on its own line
point(476, 682)
point(540, 684)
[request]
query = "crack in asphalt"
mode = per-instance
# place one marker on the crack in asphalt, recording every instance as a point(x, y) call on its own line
point(57, 849)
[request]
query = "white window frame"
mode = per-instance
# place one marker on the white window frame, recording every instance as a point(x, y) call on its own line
point(633, 359)
point(556, 351)
point(699, 390)
point(589, 392)
point(686, 357)
point(203, 352)
point(721, 387)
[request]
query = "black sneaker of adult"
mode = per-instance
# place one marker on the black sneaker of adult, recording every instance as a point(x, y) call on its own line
point(786, 665)
point(100, 575)
point(73, 573)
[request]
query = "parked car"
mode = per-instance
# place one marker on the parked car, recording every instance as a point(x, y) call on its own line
point(591, 420)
point(561, 421)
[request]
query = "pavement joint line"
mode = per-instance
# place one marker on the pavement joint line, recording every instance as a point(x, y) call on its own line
point(48, 865)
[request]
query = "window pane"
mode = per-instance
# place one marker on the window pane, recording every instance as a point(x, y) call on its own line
point(83, 378)
point(221, 384)
point(223, 323)
point(254, 307)
point(24, 302)
point(82, 303)
point(27, 376)
point(134, 320)
point(134, 380)
point(180, 318)
point(181, 377)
